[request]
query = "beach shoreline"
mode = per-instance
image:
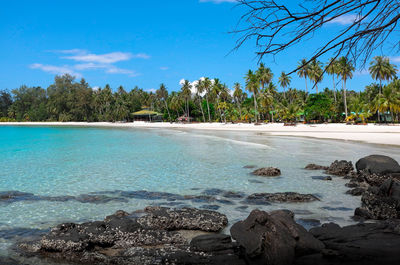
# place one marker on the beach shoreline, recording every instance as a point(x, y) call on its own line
point(371, 133)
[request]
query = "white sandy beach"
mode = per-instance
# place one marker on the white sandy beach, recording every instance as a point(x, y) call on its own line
point(376, 134)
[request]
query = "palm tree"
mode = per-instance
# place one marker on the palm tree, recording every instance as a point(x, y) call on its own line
point(162, 94)
point(200, 90)
point(207, 88)
point(252, 85)
point(264, 75)
point(389, 101)
point(237, 97)
point(284, 81)
point(381, 69)
point(304, 70)
point(316, 73)
point(331, 69)
point(216, 91)
point(266, 101)
point(186, 93)
point(345, 70)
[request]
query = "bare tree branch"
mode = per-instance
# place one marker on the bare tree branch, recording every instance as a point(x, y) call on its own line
point(277, 27)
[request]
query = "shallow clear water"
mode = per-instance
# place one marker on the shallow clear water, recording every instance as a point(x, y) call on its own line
point(54, 162)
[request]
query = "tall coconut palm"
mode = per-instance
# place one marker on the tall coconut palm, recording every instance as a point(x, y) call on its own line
point(216, 91)
point(304, 70)
point(186, 93)
point(316, 73)
point(345, 70)
point(252, 85)
point(207, 88)
point(266, 101)
point(199, 91)
point(264, 75)
point(284, 81)
point(237, 97)
point(389, 101)
point(331, 69)
point(162, 94)
point(381, 69)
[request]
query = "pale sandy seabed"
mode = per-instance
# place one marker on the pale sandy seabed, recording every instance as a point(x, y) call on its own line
point(371, 133)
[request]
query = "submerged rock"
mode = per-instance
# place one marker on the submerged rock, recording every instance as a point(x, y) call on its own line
point(266, 198)
point(273, 238)
point(322, 177)
point(340, 168)
point(316, 167)
point(378, 164)
point(267, 172)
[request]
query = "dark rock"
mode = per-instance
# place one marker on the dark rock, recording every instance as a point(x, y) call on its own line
point(255, 181)
point(212, 191)
point(154, 235)
point(98, 199)
point(233, 195)
point(368, 243)
point(211, 242)
point(266, 198)
point(273, 238)
point(315, 167)
point(15, 196)
point(19, 232)
point(336, 208)
point(183, 219)
point(210, 207)
point(340, 168)
point(322, 177)
point(382, 202)
point(302, 212)
point(250, 166)
point(356, 191)
point(309, 222)
point(374, 179)
point(378, 164)
point(267, 172)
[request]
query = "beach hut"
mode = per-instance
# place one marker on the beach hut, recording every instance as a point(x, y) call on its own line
point(147, 115)
point(184, 118)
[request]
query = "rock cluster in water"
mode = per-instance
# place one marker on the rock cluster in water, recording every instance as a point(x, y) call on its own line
point(267, 172)
point(158, 235)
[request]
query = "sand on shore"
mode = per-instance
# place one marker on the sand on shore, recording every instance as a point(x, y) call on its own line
point(371, 133)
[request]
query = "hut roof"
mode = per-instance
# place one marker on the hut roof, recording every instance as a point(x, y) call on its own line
point(145, 113)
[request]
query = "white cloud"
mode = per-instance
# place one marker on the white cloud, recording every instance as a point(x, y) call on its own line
point(153, 90)
point(91, 61)
point(193, 84)
point(344, 19)
point(164, 68)
point(361, 72)
point(58, 70)
point(218, 1)
point(95, 88)
point(395, 59)
point(112, 57)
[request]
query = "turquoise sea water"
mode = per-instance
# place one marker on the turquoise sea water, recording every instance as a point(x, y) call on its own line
point(51, 163)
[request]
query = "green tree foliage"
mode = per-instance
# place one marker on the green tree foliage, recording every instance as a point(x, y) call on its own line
point(212, 100)
point(5, 103)
point(318, 107)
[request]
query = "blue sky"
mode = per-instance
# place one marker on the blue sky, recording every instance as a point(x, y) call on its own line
point(131, 43)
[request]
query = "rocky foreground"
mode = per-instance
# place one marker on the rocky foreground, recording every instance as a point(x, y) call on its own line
point(158, 235)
